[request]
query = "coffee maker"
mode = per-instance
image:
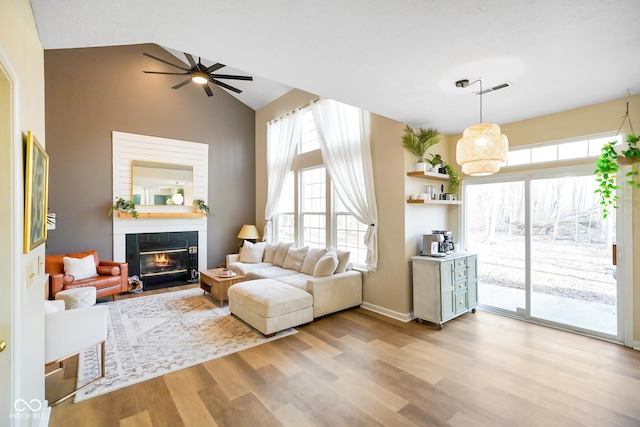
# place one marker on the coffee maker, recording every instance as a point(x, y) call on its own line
point(446, 245)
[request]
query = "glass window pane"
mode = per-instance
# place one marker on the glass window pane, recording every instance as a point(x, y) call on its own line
point(313, 195)
point(573, 150)
point(350, 237)
point(519, 157)
point(309, 140)
point(548, 153)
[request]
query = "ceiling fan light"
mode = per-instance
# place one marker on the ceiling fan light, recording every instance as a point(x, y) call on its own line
point(482, 149)
point(199, 77)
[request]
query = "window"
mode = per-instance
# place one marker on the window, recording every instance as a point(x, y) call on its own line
point(578, 149)
point(349, 233)
point(313, 195)
point(309, 140)
point(285, 219)
point(309, 212)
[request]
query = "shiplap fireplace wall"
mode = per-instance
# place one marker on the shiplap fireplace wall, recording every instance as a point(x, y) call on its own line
point(128, 147)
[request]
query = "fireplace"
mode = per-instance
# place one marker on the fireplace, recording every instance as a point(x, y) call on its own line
point(160, 258)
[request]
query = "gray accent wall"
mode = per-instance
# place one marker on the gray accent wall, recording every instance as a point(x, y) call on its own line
point(91, 92)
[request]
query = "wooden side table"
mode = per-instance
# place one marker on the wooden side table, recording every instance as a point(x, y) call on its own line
point(210, 281)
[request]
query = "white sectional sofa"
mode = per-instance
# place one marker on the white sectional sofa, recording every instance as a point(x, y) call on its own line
point(324, 273)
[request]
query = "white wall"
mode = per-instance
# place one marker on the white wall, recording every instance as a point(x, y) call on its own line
point(21, 46)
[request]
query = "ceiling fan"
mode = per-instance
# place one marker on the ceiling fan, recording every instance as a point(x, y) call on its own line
point(199, 74)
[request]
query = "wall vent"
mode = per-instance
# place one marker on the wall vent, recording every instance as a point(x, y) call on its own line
point(494, 88)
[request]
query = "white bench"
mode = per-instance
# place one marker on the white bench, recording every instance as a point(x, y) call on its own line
point(270, 306)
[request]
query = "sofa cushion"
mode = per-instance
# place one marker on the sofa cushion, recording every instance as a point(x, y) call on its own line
point(312, 258)
point(269, 252)
point(244, 268)
point(80, 268)
point(269, 272)
point(295, 257)
point(252, 252)
point(299, 280)
point(327, 265)
point(281, 254)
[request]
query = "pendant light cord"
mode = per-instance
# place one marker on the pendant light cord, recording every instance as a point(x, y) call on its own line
point(480, 80)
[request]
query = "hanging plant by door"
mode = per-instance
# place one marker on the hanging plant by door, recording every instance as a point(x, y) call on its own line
point(608, 164)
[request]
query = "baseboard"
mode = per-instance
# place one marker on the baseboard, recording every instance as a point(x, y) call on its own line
point(403, 317)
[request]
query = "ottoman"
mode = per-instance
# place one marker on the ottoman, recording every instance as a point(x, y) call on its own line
point(78, 297)
point(270, 306)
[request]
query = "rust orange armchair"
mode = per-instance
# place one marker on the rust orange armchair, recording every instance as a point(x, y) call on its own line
point(112, 277)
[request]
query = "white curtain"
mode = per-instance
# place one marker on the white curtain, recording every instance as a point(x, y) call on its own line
point(282, 139)
point(346, 150)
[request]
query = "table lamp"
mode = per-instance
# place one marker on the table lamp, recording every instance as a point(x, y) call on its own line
point(249, 232)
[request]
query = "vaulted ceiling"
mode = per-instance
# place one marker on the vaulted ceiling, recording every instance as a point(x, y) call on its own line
point(397, 58)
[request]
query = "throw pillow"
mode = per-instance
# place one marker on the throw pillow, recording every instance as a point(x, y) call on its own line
point(281, 254)
point(80, 268)
point(252, 252)
point(312, 258)
point(269, 252)
point(326, 265)
point(343, 260)
point(295, 257)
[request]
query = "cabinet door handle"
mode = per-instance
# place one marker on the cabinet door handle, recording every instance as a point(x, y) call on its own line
point(460, 303)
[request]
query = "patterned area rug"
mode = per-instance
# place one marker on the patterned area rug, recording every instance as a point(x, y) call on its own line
point(158, 334)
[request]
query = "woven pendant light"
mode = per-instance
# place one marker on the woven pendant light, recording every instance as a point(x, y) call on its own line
point(482, 148)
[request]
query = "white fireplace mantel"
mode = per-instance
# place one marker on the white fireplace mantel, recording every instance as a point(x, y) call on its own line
point(158, 219)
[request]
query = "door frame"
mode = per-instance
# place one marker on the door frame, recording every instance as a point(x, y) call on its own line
point(10, 247)
point(624, 245)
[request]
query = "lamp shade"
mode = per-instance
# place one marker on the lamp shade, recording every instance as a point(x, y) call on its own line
point(482, 149)
point(248, 232)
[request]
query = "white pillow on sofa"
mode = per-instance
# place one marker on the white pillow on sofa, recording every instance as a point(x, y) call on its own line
point(343, 260)
point(269, 252)
point(252, 252)
point(80, 268)
point(281, 254)
point(312, 258)
point(326, 265)
point(295, 257)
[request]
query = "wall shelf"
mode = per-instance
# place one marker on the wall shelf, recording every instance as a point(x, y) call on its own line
point(435, 202)
point(429, 175)
point(164, 215)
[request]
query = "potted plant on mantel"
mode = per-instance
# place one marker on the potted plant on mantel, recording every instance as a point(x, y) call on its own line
point(418, 141)
point(125, 206)
point(607, 167)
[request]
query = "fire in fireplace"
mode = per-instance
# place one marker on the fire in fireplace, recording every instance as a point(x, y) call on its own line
point(163, 262)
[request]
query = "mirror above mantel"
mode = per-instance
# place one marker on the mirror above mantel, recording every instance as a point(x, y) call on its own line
point(161, 184)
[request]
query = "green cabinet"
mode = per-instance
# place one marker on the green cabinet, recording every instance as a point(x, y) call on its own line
point(444, 288)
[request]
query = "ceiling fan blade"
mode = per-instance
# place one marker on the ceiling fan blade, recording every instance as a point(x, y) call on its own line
point(207, 89)
point(226, 86)
point(179, 85)
point(228, 76)
point(162, 72)
point(166, 62)
point(214, 67)
point(190, 59)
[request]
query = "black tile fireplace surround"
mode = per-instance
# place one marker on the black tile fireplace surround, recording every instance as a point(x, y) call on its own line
point(163, 259)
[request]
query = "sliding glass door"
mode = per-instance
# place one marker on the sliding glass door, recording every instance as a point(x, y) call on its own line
point(573, 280)
point(495, 231)
point(544, 251)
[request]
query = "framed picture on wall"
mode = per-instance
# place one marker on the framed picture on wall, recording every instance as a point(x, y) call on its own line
point(36, 184)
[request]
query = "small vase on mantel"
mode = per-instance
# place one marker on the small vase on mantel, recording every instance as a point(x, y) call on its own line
point(421, 166)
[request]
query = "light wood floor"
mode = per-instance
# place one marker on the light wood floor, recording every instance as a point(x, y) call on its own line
point(356, 368)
